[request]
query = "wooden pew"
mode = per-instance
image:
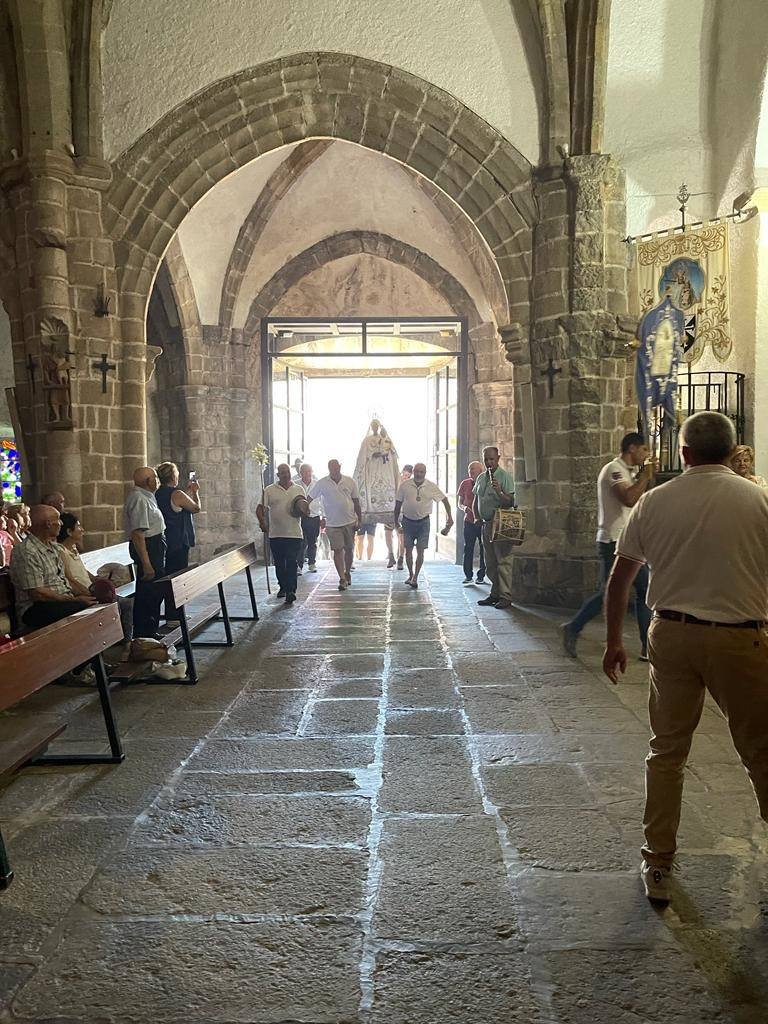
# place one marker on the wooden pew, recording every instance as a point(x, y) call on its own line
point(29, 664)
point(197, 581)
point(120, 555)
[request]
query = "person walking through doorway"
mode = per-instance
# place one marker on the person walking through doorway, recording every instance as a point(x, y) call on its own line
point(310, 524)
point(619, 488)
point(343, 516)
point(405, 474)
point(281, 501)
point(495, 489)
point(708, 593)
point(415, 497)
point(473, 530)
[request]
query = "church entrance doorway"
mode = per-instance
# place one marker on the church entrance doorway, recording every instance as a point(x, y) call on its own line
point(323, 382)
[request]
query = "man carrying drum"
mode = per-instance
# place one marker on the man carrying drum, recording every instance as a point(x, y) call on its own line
point(495, 489)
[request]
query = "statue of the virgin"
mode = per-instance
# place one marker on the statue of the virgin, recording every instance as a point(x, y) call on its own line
point(377, 476)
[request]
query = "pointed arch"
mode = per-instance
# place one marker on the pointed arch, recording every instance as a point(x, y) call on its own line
point(317, 95)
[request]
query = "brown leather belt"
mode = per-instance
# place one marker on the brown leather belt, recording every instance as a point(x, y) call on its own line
point(665, 613)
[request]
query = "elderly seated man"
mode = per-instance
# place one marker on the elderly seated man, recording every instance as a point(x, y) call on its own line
point(43, 595)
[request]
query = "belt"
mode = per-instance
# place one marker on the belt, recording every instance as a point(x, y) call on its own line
point(665, 613)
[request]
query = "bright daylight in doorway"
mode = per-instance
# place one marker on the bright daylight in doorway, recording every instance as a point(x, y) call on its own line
point(338, 412)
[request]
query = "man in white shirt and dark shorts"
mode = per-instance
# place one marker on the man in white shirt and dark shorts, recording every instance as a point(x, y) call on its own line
point(705, 536)
point(343, 517)
point(415, 498)
point(286, 503)
point(619, 488)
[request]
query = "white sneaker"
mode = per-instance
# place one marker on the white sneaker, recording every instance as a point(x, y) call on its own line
point(655, 882)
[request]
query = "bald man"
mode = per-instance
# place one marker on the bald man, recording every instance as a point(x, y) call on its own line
point(56, 500)
point(43, 594)
point(415, 498)
point(473, 530)
point(145, 530)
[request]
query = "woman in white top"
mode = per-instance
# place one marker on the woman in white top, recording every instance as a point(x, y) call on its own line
point(70, 535)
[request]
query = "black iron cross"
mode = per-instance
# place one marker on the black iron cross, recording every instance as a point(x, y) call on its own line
point(551, 372)
point(31, 367)
point(104, 367)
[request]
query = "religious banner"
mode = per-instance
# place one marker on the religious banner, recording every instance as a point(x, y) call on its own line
point(691, 269)
point(660, 334)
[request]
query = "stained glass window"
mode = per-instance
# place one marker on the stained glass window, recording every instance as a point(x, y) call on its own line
point(10, 471)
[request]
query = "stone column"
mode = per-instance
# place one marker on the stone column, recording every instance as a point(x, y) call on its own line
point(576, 369)
point(66, 268)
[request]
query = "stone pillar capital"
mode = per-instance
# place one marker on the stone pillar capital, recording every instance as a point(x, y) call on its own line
point(514, 338)
point(593, 169)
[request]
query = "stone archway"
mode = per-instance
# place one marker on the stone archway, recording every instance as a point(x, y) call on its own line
point(348, 243)
point(316, 95)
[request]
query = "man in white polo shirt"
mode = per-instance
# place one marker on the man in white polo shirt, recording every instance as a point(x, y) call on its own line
point(705, 536)
point(415, 498)
point(285, 502)
point(343, 516)
point(619, 488)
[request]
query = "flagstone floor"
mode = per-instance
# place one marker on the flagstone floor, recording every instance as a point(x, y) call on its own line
point(381, 806)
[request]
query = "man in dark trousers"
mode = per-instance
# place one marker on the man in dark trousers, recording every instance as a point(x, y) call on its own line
point(473, 530)
point(43, 594)
point(145, 529)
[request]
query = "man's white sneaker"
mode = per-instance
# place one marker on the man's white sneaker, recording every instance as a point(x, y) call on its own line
point(655, 882)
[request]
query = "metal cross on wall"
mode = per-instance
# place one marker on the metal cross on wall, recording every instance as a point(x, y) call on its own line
point(551, 372)
point(31, 368)
point(104, 367)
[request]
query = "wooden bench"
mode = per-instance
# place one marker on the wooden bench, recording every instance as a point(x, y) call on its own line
point(29, 664)
point(118, 554)
point(195, 582)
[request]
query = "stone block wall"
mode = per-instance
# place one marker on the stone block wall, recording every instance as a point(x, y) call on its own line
point(63, 263)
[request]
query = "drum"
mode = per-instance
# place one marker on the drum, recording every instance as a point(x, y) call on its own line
point(508, 526)
point(299, 506)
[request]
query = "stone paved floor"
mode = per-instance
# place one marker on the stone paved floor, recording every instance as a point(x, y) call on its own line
point(381, 806)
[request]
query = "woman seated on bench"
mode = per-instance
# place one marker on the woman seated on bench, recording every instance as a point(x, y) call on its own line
point(70, 535)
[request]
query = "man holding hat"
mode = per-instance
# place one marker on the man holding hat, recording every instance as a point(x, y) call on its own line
point(285, 502)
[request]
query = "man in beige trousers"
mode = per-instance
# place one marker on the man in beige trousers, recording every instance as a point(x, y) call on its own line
point(705, 537)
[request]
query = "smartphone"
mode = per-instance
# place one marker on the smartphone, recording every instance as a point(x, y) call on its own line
point(192, 476)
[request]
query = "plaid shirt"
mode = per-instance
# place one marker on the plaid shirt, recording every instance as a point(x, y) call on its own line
point(34, 565)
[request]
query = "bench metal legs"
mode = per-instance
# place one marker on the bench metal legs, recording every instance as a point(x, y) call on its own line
point(255, 616)
point(116, 754)
point(223, 617)
point(6, 875)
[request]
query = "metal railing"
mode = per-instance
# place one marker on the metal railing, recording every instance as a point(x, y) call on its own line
point(702, 391)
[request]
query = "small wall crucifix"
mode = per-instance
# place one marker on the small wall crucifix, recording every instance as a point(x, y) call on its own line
point(31, 366)
point(551, 372)
point(104, 367)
